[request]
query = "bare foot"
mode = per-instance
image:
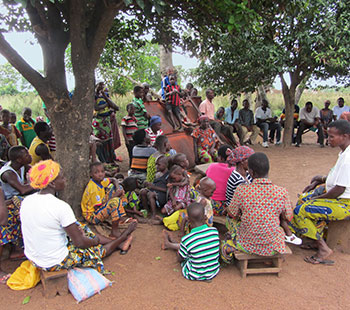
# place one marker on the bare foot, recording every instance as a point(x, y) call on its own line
point(166, 241)
point(126, 244)
point(156, 220)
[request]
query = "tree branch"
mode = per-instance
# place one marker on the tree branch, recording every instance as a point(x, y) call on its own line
point(16, 60)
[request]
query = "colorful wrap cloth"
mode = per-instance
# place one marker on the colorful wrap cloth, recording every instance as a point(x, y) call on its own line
point(239, 154)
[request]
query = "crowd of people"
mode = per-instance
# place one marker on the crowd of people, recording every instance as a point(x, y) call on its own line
point(158, 189)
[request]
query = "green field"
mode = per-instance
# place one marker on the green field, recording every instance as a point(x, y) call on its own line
point(16, 103)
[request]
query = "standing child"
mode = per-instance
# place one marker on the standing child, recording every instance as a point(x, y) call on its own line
point(173, 102)
point(140, 111)
point(155, 194)
point(129, 126)
point(198, 251)
point(178, 191)
point(10, 131)
point(102, 199)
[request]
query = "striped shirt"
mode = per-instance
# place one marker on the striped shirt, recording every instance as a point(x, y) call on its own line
point(140, 155)
point(200, 251)
point(140, 110)
point(234, 180)
point(152, 135)
point(173, 99)
point(130, 124)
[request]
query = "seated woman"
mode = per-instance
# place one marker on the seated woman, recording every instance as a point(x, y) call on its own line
point(205, 140)
point(220, 172)
point(47, 222)
point(314, 210)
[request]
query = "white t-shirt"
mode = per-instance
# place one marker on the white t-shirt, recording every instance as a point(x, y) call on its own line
point(43, 218)
point(339, 174)
point(309, 117)
point(338, 111)
point(261, 114)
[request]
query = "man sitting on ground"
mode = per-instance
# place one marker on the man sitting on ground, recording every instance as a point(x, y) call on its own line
point(310, 119)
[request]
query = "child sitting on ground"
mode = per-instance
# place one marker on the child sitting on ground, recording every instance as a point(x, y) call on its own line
point(155, 194)
point(199, 250)
point(163, 147)
point(178, 191)
point(102, 199)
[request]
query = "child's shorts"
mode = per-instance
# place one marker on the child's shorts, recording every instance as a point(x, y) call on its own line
point(174, 108)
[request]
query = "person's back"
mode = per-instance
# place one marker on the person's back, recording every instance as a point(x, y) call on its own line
point(200, 250)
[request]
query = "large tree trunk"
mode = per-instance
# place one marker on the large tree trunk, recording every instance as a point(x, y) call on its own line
point(289, 99)
point(166, 59)
point(260, 96)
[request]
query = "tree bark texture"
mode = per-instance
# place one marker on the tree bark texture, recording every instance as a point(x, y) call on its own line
point(166, 59)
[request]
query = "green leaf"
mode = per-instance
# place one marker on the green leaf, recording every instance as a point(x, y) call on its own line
point(26, 300)
point(113, 273)
point(176, 270)
point(157, 258)
point(141, 4)
point(127, 2)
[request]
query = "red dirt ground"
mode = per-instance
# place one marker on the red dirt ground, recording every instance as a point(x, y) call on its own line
point(142, 282)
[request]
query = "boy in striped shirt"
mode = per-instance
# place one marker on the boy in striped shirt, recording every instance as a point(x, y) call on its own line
point(172, 105)
point(129, 126)
point(198, 251)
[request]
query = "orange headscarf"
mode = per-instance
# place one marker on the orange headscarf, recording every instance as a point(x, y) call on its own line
point(43, 173)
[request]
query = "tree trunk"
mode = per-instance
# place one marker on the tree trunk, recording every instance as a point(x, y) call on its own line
point(289, 99)
point(260, 95)
point(166, 59)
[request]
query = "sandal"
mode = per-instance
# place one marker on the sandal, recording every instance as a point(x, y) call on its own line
point(293, 239)
point(4, 278)
point(123, 252)
point(316, 260)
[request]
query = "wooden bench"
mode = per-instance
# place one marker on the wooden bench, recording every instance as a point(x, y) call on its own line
point(256, 264)
point(54, 282)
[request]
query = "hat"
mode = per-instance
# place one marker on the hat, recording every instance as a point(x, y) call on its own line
point(43, 173)
point(155, 120)
point(239, 154)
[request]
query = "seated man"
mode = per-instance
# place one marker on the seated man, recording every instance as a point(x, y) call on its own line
point(39, 148)
point(207, 108)
point(232, 119)
point(198, 251)
point(295, 119)
point(47, 222)
point(246, 119)
point(265, 121)
point(310, 119)
point(259, 206)
point(340, 108)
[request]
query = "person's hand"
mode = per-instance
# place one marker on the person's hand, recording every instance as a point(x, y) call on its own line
point(147, 184)
point(118, 193)
point(318, 178)
point(169, 185)
point(310, 187)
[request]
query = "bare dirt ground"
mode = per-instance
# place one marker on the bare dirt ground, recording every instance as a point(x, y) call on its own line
point(142, 282)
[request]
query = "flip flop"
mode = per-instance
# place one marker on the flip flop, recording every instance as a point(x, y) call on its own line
point(293, 239)
point(315, 260)
point(123, 252)
point(4, 278)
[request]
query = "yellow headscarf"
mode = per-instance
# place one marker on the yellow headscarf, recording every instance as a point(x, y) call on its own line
point(43, 173)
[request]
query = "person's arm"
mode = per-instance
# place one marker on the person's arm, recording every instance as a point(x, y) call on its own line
point(11, 178)
point(3, 210)
point(124, 135)
point(110, 103)
point(333, 193)
point(79, 239)
point(233, 209)
point(316, 180)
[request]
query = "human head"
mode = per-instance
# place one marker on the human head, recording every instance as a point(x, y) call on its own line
point(209, 93)
point(172, 79)
point(27, 114)
point(169, 71)
point(181, 160)
point(46, 173)
point(5, 114)
point(20, 154)
point(264, 104)
point(203, 122)
point(338, 133)
point(13, 118)
point(162, 144)
point(176, 173)
point(327, 103)
point(194, 92)
point(258, 165)
point(130, 184)
point(145, 88)
point(234, 104)
point(130, 108)
point(189, 86)
point(246, 104)
point(220, 113)
point(97, 172)
point(240, 155)
point(155, 123)
point(207, 187)
point(138, 92)
point(161, 163)
point(308, 106)
point(100, 85)
point(196, 214)
point(43, 131)
point(139, 136)
point(340, 102)
point(222, 153)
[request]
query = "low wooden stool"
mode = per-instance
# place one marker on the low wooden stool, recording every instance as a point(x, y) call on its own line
point(54, 282)
point(338, 236)
point(254, 264)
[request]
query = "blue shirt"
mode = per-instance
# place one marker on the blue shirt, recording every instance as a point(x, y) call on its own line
point(229, 118)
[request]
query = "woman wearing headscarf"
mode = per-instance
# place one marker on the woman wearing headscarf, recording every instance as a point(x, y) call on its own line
point(47, 221)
